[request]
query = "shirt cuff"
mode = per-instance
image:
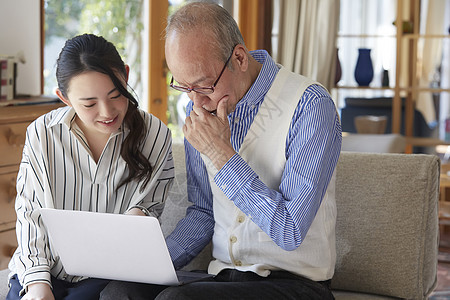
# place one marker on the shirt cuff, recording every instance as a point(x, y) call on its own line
point(234, 168)
point(144, 210)
point(149, 212)
point(177, 253)
point(40, 274)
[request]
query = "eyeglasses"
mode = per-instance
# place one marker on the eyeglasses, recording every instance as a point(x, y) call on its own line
point(201, 90)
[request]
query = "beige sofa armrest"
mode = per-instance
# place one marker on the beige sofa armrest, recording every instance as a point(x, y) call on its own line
point(387, 224)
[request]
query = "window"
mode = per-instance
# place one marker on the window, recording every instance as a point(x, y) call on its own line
point(126, 24)
point(119, 21)
point(366, 24)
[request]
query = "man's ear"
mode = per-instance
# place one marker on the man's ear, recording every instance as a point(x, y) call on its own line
point(241, 53)
point(61, 96)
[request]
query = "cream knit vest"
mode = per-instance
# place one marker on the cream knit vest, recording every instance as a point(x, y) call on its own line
point(240, 244)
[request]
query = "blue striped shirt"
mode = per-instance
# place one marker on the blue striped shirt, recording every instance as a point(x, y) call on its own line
point(312, 150)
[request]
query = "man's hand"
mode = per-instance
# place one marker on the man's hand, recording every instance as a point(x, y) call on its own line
point(210, 134)
point(39, 291)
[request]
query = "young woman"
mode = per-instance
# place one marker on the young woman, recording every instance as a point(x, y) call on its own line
point(99, 153)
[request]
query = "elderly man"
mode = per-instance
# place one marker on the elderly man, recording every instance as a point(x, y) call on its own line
point(261, 146)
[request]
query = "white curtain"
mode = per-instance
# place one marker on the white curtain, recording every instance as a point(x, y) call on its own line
point(445, 76)
point(307, 38)
point(432, 55)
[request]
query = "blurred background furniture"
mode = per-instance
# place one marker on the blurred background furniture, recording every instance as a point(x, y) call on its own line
point(13, 123)
point(355, 107)
point(370, 136)
point(444, 213)
point(370, 124)
point(374, 143)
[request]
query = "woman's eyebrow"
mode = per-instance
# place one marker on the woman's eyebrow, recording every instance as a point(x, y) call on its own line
point(111, 91)
point(88, 98)
point(93, 98)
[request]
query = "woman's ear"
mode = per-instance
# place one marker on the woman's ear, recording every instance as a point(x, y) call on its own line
point(61, 96)
point(127, 68)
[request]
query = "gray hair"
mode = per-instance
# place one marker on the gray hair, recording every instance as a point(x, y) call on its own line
point(210, 20)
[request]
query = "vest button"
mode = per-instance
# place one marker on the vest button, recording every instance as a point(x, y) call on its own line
point(241, 219)
point(238, 263)
point(233, 239)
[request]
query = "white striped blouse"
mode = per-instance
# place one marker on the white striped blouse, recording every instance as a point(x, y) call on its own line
point(58, 171)
point(313, 146)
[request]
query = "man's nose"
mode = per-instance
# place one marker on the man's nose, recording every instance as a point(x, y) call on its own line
point(198, 99)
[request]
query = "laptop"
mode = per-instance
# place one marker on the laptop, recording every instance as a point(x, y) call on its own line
point(113, 246)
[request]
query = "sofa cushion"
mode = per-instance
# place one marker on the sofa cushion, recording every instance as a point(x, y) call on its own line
point(387, 224)
point(343, 295)
point(176, 205)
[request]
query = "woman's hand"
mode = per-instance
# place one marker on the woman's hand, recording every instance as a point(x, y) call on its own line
point(39, 291)
point(135, 212)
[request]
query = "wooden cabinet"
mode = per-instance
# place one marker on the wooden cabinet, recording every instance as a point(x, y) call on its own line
point(13, 123)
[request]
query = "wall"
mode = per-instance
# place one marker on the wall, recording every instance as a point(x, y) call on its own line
point(20, 31)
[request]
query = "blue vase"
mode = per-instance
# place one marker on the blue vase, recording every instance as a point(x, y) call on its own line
point(364, 67)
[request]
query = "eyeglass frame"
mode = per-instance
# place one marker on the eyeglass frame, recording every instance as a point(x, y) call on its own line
point(206, 90)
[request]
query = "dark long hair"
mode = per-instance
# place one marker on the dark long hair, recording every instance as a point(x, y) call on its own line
point(89, 52)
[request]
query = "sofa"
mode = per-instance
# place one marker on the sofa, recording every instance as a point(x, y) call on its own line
point(386, 231)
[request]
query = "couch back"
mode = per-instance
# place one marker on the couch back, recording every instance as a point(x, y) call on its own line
point(387, 222)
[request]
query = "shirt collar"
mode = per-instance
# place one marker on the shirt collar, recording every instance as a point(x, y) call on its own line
point(66, 115)
point(264, 80)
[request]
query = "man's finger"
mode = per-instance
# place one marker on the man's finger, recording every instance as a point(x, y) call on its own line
point(195, 111)
point(222, 112)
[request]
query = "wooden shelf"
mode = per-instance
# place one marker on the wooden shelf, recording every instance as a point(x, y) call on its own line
point(424, 89)
point(403, 89)
point(425, 36)
point(16, 113)
point(364, 36)
point(33, 100)
point(425, 142)
point(348, 87)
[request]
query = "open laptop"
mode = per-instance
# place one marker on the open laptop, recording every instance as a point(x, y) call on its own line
point(113, 246)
